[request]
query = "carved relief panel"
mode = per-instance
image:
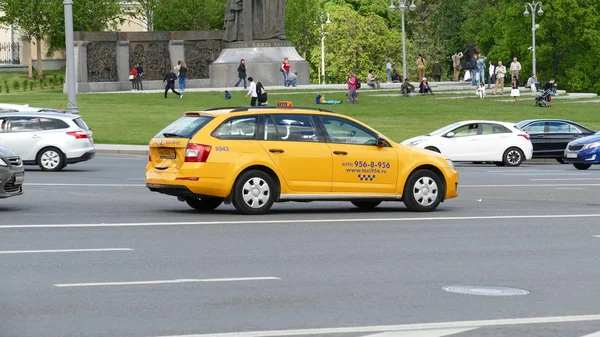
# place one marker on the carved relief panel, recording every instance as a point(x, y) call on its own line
point(102, 62)
point(154, 57)
point(200, 54)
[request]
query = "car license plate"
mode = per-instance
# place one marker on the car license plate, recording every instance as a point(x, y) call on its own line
point(19, 178)
point(571, 155)
point(166, 153)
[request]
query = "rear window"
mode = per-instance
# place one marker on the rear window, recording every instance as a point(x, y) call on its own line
point(184, 127)
point(80, 123)
point(53, 124)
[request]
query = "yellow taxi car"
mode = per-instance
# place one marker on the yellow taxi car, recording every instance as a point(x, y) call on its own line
point(255, 156)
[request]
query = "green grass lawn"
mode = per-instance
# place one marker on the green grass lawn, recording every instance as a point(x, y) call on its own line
point(134, 118)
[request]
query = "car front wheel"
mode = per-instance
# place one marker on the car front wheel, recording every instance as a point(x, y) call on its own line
point(204, 204)
point(254, 193)
point(582, 166)
point(423, 191)
point(366, 204)
point(51, 159)
point(513, 156)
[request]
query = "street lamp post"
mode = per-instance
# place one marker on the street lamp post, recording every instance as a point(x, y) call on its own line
point(402, 6)
point(71, 81)
point(323, 33)
point(533, 6)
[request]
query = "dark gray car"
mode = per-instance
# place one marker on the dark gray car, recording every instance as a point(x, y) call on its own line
point(11, 173)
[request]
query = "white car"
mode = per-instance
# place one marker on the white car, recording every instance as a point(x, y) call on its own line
point(50, 140)
point(478, 141)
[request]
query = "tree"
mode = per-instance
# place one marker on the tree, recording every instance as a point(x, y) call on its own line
point(144, 11)
point(302, 24)
point(176, 15)
point(34, 18)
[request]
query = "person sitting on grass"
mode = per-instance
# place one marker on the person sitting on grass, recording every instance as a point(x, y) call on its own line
point(424, 87)
point(407, 88)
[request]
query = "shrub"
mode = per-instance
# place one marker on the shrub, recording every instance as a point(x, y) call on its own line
point(31, 85)
point(6, 87)
point(51, 82)
point(42, 83)
point(61, 80)
point(16, 85)
point(25, 85)
point(55, 78)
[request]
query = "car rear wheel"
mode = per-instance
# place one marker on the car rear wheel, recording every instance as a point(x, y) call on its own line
point(513, 156)
point(366, 204)
point(423, 191)
point(582, 166)
point(204, 204)
point(254, 193)
point(51, 159)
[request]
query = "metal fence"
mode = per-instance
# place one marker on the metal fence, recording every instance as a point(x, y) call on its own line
point(9, 53)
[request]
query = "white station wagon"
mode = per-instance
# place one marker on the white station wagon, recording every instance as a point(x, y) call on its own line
point(48, 139)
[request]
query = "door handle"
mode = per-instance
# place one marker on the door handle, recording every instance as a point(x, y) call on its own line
point(340, 153)
point(275, 150)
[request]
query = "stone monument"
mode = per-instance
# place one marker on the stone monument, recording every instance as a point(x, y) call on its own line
point(255, 32)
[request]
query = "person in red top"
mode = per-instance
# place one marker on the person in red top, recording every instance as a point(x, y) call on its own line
point(133, 78)
point(351, 88)
point(285, 69)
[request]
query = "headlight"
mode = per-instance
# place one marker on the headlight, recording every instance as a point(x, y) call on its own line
point(591, 145)
point(2, 162)
point(450, 163)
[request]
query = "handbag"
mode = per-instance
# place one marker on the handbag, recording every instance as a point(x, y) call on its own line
point(281, 69)
point(131, 77)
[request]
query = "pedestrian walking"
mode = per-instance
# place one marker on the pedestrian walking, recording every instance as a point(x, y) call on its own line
point(252, 92)
point(500, 73)
point(351, 88)
point(170, 78)
point(242, 74)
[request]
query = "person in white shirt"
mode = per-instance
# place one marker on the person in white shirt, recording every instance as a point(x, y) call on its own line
point(492, 72)
point(500, 73)
point(515, 67)
point(252, 92)
point(481, 90)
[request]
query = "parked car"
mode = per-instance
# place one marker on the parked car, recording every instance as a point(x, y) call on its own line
point(478, 141)
point(583, 152)
point(11, 174)
point(253, 157)
point(4, 107)
point(50, 140)
point(551, 136)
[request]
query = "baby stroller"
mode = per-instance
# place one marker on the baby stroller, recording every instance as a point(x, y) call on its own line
point(544, 99)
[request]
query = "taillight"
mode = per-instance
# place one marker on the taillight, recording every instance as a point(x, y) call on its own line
point(78, 134)
point(524, 135)
point(197, 153)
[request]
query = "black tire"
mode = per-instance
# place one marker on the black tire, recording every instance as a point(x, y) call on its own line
point(423, 191)
point(51, 159)
point(204, 204)
point(582, 166)
point(513, 156)
point(477, 162)
point(560, 160)
point(499, 163)
point(366, 204)
point(433, 148)
point(254, 192)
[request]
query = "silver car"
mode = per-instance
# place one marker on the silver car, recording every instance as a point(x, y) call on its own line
point(11, 174)
point(50, 140)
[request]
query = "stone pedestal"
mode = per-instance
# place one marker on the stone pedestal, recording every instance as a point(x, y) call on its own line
point(263, 60)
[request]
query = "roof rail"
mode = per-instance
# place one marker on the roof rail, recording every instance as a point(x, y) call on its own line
point(248, 108)
point(223, 108)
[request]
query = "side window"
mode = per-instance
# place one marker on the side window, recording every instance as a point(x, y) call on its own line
point(466, 130)
point(53, 124)
point(293, 128)
point(3, 122)
point(537, 127)
point(343, 131)
point(24, 124)
point(237, 128)
point(490, 129)
point(560, 127)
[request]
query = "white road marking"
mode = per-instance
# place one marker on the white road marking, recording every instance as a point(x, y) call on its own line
point(595, 334)
point(525, 185)
point(85, 185)
point(137, 283)
point(404, 327)
point(421, 333)
point(597, 236)
point(565, 179)
point(302, 221)
point(570, 188)
point(65, 250)
point(546, 174)
point(527, 171)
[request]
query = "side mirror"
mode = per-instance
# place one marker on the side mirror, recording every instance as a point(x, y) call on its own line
point(450, 134)
point(381, 142)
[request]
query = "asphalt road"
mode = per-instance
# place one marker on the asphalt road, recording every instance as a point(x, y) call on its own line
point(91, 252)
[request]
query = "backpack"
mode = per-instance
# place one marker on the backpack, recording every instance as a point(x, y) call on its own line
point(357, 83)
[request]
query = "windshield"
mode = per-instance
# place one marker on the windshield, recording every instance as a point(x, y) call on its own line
point(80, 123)
point(184, 127)
point(444, 129)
